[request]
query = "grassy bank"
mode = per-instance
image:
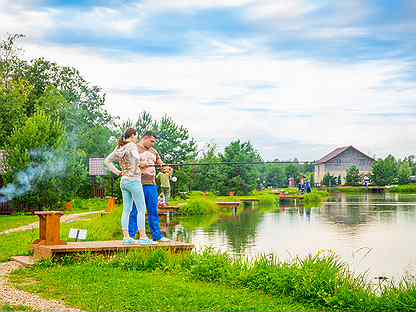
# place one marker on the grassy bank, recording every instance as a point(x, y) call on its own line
point(105, 288)
point(408, 188)
point(201, 204)
point(315, 197)
point(319, 282)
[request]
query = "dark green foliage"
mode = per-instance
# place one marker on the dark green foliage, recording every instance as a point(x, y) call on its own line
point(353, 176)
point(385, 171)
point(329, 180)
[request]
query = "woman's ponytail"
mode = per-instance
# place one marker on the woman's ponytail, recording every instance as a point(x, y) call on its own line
point(124, 138)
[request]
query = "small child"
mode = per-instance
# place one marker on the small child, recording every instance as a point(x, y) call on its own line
point(164, 178)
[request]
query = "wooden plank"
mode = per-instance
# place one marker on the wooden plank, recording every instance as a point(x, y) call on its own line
point(47, 251)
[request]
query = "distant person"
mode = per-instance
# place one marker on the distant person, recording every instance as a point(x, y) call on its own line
point(149, 154)
point(308, 187)
point(128, 157)
point(164, 177)
point(366, 182)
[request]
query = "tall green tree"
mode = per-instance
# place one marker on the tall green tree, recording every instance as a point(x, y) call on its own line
point(353, 176)
point(404, 172)
point(209, 178)
point(384, 172)
point(240, 178)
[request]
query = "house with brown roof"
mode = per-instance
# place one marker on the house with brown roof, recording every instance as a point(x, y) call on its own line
point(337, 162)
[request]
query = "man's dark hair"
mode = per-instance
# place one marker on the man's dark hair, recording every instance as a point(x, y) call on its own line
point(151, 133)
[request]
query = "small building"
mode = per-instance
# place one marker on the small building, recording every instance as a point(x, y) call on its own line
point(340, 160)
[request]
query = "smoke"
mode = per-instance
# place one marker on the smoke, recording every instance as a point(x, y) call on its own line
point(44, 165)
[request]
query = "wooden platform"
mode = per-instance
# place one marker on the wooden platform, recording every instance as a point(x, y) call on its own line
point(47, 251)
point(290, 197)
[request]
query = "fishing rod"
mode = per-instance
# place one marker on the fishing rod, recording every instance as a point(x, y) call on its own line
point(234, 163)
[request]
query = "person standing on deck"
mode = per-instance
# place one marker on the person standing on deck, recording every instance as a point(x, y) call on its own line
point(164, 178)
point(149, 154)
point(128, 157)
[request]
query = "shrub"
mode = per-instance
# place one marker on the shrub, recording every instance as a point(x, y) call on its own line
point(198, 206)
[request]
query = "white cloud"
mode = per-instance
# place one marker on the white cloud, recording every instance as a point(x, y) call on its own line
point(18, 17)
point(313, 104)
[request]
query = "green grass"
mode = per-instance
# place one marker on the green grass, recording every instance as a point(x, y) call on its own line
point(10, 222)
point(315, 196)
point(319, 281)
point(198, 206)
point(92, 204)
point(106, 227)
point(103, 288)
point(11, 308)
point(408, 188)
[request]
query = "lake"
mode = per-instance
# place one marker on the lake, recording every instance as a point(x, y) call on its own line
point(372, 233)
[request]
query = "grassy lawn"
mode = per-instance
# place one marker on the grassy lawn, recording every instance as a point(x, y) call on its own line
point(95, 288)
point(106, 227)
point(10, 222)
point(10, 308)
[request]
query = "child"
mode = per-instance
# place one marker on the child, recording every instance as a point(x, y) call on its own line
point(164, 178)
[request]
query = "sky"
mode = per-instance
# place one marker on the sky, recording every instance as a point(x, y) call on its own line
point(297, 78)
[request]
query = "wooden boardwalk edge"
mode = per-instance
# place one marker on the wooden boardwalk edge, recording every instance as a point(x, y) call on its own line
point(41, 252)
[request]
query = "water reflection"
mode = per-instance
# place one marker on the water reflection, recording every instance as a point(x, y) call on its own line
point(373, 233)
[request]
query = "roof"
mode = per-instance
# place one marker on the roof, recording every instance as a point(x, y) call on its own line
point(338, 152)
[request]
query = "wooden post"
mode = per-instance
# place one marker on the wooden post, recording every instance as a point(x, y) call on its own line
point(49, 228)
point(111, 204)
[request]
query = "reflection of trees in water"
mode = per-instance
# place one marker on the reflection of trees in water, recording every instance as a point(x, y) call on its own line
point(351, 211)
point(240, 230)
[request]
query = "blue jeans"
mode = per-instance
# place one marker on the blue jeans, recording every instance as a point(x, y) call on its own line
point(151, 198)
point(133, 196)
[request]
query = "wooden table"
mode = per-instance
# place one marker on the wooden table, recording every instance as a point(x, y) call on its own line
point(49, 228)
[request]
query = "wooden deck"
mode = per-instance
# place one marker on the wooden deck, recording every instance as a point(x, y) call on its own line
point(290, 197)
point(104, 247)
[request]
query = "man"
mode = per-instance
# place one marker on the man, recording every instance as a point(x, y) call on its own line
point(151, 157)
point(164, 177)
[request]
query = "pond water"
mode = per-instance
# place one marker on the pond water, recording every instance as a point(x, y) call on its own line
point(373, 233)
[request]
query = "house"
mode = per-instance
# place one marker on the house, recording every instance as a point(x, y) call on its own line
point(340, 160)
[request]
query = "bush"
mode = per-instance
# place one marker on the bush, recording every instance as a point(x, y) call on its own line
point(198, 206)
point(315, 196)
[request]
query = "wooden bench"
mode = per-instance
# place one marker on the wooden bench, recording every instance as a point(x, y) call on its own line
point(103, 247)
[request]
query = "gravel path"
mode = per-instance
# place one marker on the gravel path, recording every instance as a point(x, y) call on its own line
point(64, 219)
point(15, 297)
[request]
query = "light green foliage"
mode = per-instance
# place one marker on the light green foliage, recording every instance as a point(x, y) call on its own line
point(315, 196)
point(198, 206)
point(409, 188)
point(353, 176)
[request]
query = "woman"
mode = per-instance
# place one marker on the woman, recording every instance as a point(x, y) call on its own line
point(127, 155)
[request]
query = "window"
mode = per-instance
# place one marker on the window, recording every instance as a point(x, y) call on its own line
point(338, 161)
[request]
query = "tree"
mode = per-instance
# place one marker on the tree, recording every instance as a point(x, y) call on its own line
point(353, 176)
point(33, 165)
point(404, 172)
point(241, 179)
point(384, 172)
point(209, 178)
point(329, 180)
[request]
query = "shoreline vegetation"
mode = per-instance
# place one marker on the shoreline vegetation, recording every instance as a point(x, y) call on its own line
point(318, 282)
point(406, 188)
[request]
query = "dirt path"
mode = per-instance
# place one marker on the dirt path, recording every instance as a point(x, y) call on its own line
point(15, 297)
point(64, 219)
